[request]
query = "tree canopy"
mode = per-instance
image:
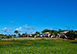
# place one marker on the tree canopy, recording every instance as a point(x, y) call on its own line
point(70, 34)
point(46, 30)
point(15, 31)
point(37, 32)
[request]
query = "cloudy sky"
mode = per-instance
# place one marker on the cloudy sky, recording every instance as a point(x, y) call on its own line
point(36, 15)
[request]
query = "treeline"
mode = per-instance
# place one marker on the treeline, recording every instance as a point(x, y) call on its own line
point(2, 36)
point(71, 34)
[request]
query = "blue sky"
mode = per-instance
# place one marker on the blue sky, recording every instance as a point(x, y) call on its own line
point(37, 15)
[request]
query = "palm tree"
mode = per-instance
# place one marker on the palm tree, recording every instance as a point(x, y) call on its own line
point(19, 34)
point(16, 31)
point(59, 31)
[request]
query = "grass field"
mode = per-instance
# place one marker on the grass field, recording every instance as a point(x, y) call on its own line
point(37, 46)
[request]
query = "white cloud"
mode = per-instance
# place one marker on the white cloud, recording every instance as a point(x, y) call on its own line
point(28, 27)
point(14, 22)
point(55, 28)
point(6, 30)
point(33, 28)
point(19, 29)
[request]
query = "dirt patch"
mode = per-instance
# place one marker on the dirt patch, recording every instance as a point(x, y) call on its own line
point(5, 43)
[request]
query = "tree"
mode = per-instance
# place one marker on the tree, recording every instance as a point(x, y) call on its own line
point(16, 31)
point(5, 36)
point(14, 36)
point(2, 36)
point(19, 34)
point(23, 35)
point(46, 30)
point(54, 32)
point(60, 30)
point(75, 35)
point(37, 32)
point(71, 35)
point(76, 31)
point(10, 36)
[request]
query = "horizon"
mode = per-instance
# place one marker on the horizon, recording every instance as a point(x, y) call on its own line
point(31, 15)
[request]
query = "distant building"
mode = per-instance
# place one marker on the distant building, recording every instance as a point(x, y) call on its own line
point(62, 34)
point(46, 34)
point(30, 34)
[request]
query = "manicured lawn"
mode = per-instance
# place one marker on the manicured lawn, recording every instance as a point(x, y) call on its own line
point(41, 46)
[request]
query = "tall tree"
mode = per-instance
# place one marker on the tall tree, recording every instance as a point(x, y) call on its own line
point(19, 34)
point(46, 30)
point(60, 30)
point(16, 31)
point(54, 32)
point(37, 32)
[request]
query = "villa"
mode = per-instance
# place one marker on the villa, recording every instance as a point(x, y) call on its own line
point(30, 34)
point(46, 34)
point(62, 34)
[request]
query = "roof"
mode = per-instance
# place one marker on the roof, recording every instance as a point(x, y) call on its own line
point(65, 32)
point(31, 33)
point(46, 33)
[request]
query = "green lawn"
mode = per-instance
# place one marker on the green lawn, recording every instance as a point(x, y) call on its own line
point(35, 46)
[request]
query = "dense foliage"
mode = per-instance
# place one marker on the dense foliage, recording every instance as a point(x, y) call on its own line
point(71, 35)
